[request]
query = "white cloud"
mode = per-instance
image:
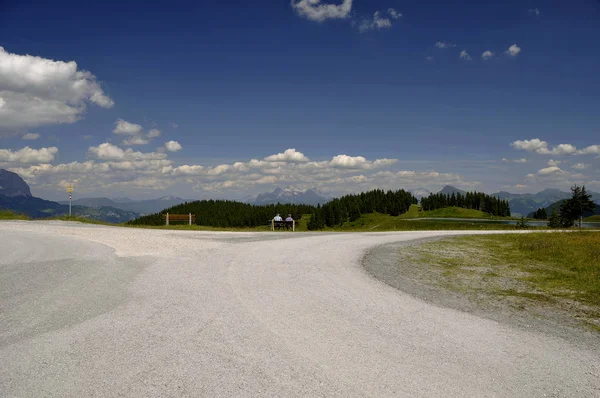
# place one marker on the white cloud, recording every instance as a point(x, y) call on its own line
point(533, 145)
point(394, 14)
point(535, 11)
point(580, 166)
point(487, 55)
point(513, 50)
point(134, 132)
point(131, 141)
point(541, 147)
point(30, 136)
point(359, 162)
point(553, 162)
point(550, 170)
point(36, 91)
point(444, 44)
point(522, 160)
point(28, 155)
point(125, 128)
point(590, 150)
point(465, 55)
point(290, 155)
point(136, 172)
point(314, 10)
point(377, 22)
point(154, 133)
point(173, 146)
point(107, 151)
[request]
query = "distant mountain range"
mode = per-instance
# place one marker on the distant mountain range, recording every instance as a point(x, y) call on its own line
point(449, 190)
point(557, 205)
point(15, 195)
point(288, 195)
point(420, 193)
point(141, 207)
point(526, 203)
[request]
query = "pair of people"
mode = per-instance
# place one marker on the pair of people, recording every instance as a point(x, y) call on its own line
point(278, 218)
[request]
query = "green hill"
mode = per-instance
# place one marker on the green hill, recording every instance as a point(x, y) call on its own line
point(446, 212)
point(595, 218)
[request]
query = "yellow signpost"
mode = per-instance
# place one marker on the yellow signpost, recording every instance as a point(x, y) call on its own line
point(70, 189)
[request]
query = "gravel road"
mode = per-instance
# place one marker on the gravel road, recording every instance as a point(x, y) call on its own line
point(88, 310)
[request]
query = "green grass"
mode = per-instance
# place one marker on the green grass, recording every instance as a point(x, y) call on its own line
point(558, 269)
point(376, 222)
point(447, 212)
point(595, 218)
point(9, 215)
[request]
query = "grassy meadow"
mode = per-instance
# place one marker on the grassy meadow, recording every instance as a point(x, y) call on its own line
point(9, 215)
point(560, 270)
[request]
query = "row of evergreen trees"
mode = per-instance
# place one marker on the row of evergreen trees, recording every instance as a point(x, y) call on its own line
point(540, 214)
point(227, 214)
point(470, 200)
point(350, 207)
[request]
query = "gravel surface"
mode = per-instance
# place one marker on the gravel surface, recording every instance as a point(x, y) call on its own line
point(99, 311)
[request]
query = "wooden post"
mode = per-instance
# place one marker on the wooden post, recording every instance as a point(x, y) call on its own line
point(190, 218)
point(294, 226)
point(167, 218)
point(273, 225)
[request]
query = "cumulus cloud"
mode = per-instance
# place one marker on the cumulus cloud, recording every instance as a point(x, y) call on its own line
point(590, 150)
point(541, 147)
point(173, 146)
point(134, 133)
point(553, 162)
point(107, 151)
point(487, 55)
point(131, 141)
point(28, 155)
point(535, 11)
point(550, 170)
point(513, 50)
point(36, 91)
point(112, 167)
point(125, 128)
point(315, 10)
point(290, 155)
point(465, 55)
point(30, 136)
point(154, 133)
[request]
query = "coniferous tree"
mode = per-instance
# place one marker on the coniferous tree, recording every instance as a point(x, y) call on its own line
point(554, 221)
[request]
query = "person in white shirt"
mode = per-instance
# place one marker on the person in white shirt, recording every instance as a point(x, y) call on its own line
point(278, 218)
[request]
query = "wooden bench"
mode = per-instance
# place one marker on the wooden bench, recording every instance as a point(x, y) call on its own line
point(279, 225)
point(189, 218)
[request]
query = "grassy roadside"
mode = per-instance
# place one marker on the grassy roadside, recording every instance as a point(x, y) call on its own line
point(9, 215)
point(539, 272)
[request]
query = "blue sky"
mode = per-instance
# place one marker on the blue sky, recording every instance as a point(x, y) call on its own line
point(233, 81)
